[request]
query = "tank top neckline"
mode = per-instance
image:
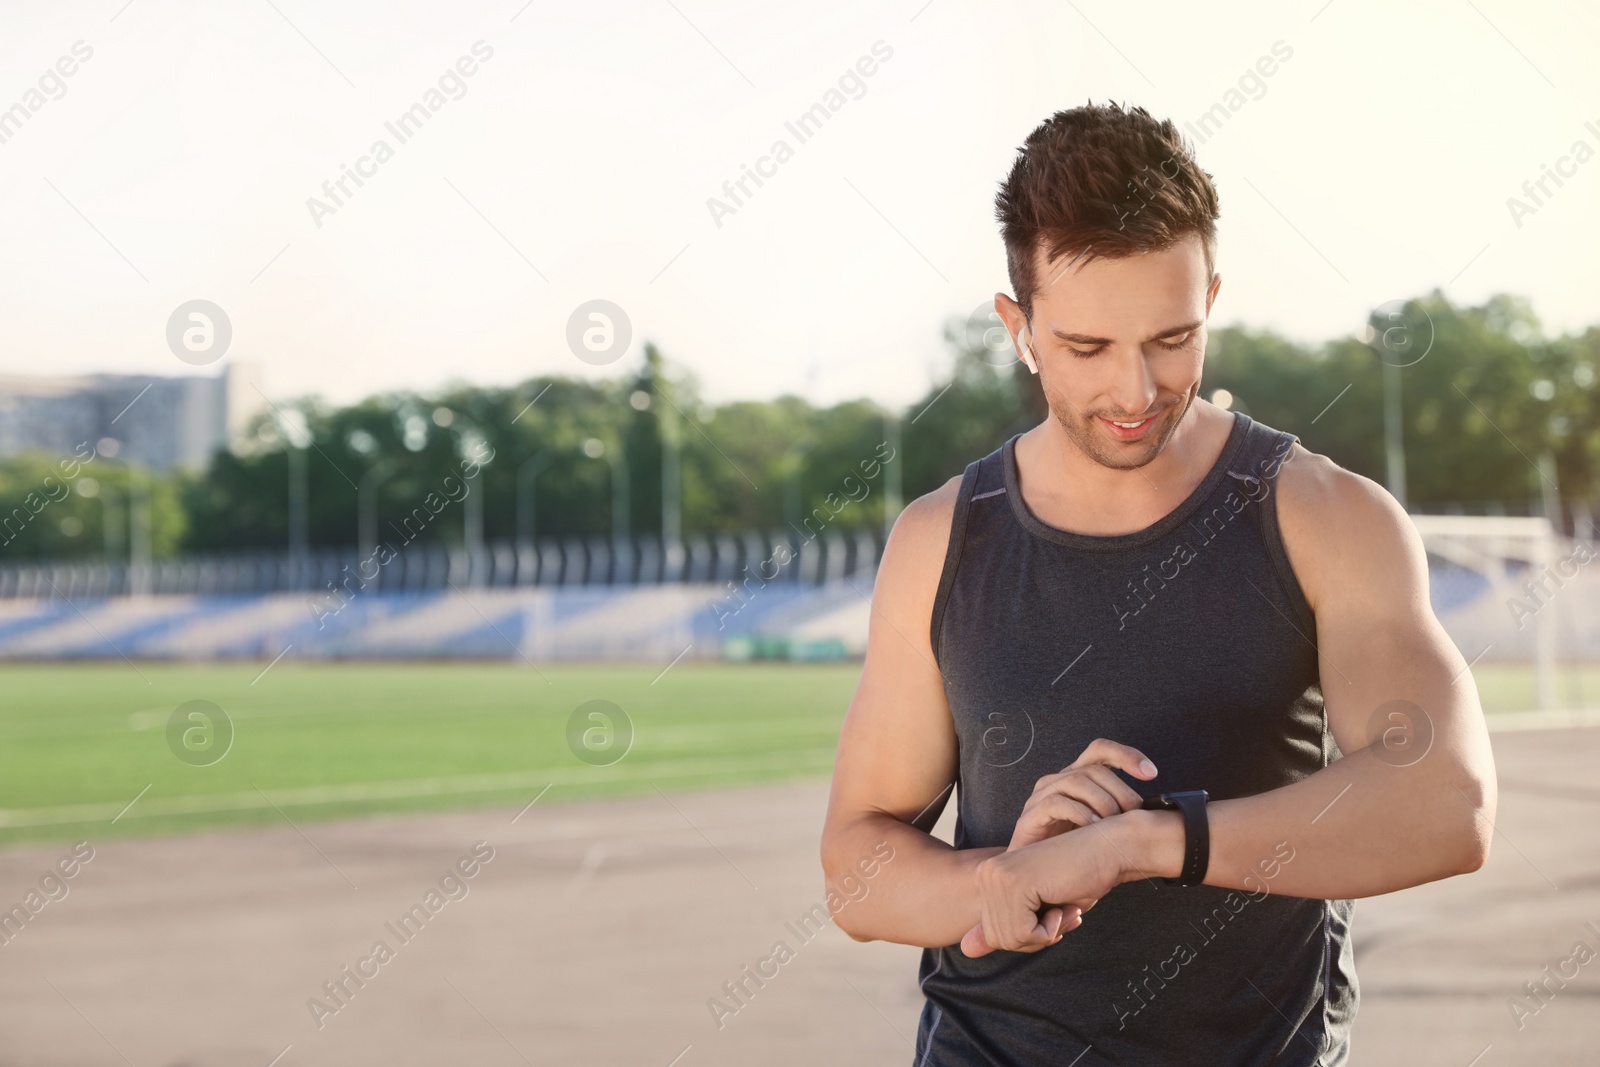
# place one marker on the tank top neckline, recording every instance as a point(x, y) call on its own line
point(1117, 542)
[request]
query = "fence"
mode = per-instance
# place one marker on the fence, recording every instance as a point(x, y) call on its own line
point(774, 556)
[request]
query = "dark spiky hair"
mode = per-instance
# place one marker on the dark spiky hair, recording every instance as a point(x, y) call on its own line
point(1101, 180)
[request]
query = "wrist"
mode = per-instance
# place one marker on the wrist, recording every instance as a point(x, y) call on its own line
point(971, 860)
point(1150, 843)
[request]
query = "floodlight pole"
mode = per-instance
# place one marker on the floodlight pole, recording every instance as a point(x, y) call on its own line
point(367, 503)
point(1393, 442)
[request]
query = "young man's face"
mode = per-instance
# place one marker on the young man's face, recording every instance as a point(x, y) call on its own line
point(1121, 341)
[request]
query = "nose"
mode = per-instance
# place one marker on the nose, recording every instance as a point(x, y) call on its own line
point(1133, 391)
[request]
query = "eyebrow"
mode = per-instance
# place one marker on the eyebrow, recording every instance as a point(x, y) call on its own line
point(1084, 339)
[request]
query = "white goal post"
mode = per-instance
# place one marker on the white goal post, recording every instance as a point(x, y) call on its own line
point(1497, 584)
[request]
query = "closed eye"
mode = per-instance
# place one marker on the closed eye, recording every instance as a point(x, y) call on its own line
point(1183, 341)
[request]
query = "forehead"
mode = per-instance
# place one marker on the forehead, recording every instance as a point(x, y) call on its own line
point(1110, 297)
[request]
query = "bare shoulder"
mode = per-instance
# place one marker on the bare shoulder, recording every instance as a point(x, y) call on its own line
point(914, 557)
point(925, 523)
point(1344, 531)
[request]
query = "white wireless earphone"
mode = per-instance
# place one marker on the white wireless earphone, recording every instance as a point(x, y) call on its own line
point(1025, 350)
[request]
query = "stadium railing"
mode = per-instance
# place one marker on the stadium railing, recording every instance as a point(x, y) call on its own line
point(764, 556)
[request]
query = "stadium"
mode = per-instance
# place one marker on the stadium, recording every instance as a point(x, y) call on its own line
point(409, 656)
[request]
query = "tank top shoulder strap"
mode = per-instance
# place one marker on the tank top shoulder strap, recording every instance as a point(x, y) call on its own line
point(1255, 472)
point(1262, 455)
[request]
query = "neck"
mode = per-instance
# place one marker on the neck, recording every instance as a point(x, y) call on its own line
point(1062, 480)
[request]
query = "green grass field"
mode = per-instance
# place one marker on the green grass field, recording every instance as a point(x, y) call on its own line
point(78, 743)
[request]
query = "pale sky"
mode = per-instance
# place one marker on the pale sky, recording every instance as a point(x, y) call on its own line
point(1374, 163)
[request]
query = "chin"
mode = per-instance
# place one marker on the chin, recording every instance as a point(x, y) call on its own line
point(1113, 455)
point(1129, 459)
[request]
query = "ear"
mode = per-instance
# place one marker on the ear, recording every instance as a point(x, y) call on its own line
point(1011, 313)
point(1211, 292)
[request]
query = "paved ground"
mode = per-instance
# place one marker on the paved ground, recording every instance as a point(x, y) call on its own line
point(598, 931)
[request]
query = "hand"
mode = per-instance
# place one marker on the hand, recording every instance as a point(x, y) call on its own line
point(1085, 792)
point(1065, 875)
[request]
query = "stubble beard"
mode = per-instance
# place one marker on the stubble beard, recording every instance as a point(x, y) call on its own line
point(1082, 432)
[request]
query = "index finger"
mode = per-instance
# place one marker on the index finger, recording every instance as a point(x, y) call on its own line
point(1114, 754)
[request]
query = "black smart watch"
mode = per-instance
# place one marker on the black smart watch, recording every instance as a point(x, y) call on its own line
point(1196, 832)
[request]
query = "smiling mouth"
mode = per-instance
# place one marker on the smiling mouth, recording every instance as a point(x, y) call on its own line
point(1127, 430)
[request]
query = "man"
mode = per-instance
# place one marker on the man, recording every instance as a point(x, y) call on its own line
point(1145, 596)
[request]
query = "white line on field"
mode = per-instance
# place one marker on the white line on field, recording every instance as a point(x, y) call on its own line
point(405, 789)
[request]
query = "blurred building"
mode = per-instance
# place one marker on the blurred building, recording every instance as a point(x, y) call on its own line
point(159, 422)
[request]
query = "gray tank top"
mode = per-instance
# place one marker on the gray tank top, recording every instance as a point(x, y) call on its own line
point(1191, 641)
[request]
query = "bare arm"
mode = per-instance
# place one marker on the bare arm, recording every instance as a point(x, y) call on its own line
point(1413, 799)
point(897, 757)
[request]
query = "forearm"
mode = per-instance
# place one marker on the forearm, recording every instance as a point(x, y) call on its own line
point(1356, 828)
point(924, 896)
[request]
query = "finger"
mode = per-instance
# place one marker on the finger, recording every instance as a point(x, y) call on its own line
point(1080, 787)
point(1096, 787)
point(1089, 786)
point(1072, 918)
point(1045, 818)
point(1010, 924)
point(1048, 783)
point(974, 944)
point(1046, 932)
point(1113, 754)
point(1124, 795)
point(1041, 824)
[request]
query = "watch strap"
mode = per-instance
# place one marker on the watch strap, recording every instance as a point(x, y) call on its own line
point(1191, 804)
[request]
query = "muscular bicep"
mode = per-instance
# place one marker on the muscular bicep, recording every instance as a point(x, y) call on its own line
point(1390, 674)
point(897, 749)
